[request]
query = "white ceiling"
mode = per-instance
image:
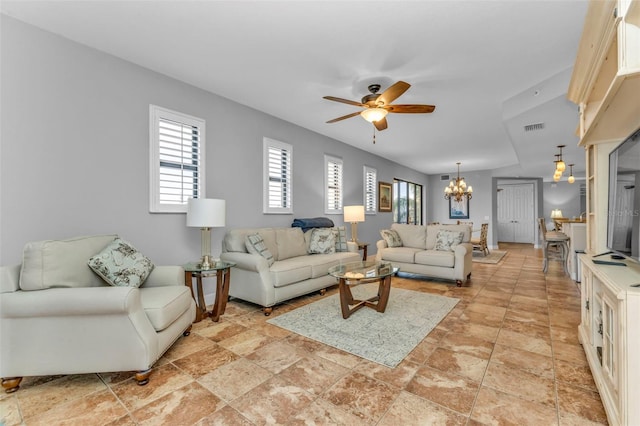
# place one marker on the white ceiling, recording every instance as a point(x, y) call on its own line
point(490, 67)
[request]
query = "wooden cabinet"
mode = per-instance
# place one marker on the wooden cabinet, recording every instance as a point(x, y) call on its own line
point(577, 233)
point(610, 336)
point(605, 85)
point(606, 78)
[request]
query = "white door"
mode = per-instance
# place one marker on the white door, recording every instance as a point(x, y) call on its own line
point(516, 222)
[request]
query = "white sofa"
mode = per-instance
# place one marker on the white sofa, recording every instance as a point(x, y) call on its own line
point(294, 273)
point(59, 317)
point(417, 254)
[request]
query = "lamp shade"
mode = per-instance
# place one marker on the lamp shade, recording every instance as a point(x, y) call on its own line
point(353, 214)
point(556, 213)
point(206, 212)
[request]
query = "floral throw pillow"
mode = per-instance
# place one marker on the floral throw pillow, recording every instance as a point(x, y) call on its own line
point(448, 240)
point(121, 265)
point(255, 245)
point(391, 237)
point(323, 241)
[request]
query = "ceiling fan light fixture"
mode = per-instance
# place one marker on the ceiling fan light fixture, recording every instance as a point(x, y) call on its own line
point(374, 114)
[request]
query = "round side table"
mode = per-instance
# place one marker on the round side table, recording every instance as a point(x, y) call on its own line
point(222, 272)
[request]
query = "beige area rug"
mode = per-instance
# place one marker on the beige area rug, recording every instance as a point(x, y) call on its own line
point(494, 257)
point(386, 338)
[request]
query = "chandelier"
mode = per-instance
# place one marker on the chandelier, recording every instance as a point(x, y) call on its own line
point(560, 167)
point(458, 189)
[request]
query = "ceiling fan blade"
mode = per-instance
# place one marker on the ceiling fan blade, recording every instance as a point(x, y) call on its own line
point(393, 92)
point(381, 124)
point(344, 101)
point(410, 109)
point(353, 114)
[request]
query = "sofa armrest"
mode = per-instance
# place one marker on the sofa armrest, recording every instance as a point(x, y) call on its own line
point(162, 276)
point(66, 302)
point(462, 249)
point(247, 261)
point(352, 247)
point(10, 278)
point(380, 245)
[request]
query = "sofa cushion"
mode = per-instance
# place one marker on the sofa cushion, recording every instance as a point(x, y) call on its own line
point(446, 259)
point(290, 271)
point(235, 240)
point(255, 245)
point(290, 243)
point(320, 263)
point(411, 235)
point(400, 254)
point(448, 240)
point(164, 305)
point(391, 237)
point(61, 263)
point(432, 233)
point(340, 234)
point(121, 265)
point(322, 241)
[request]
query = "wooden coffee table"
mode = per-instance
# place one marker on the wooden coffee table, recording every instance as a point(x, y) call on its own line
point(355, 273)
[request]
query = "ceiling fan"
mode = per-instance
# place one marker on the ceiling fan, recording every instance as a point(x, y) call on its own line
point(377, 106)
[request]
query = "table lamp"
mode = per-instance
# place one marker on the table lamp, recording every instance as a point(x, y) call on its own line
point(556, 213)
point(206, 213)
point(354, 214)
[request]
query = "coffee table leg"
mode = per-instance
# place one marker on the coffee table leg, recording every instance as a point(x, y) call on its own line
point(383, 293)
point(346, 298)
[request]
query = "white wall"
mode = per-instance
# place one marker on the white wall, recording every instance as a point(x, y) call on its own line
point(74, 156)
point(564, 196)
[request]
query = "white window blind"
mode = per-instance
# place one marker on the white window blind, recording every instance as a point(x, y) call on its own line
point(333, 185)
point(278, 165)
point(370, 190)
point(177, 158)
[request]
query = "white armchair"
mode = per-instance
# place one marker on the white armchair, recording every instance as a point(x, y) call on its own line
point(85, 329)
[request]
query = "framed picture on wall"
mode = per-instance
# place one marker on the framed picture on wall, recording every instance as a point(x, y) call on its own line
point(459, 209)
point(385, 196)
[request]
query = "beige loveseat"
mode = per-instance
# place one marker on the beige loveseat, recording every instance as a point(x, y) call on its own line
point(57, 316)
point(417, 252)
point(293, 273)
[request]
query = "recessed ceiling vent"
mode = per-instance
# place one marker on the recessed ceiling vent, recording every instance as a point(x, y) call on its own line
point(444, 177)
point(533, 127)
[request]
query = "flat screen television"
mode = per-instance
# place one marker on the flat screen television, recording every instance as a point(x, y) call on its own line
point(623, 225)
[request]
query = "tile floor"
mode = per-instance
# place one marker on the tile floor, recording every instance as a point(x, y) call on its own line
point(507, 354)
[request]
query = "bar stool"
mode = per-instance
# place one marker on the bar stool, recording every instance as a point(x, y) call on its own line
point(553, 239)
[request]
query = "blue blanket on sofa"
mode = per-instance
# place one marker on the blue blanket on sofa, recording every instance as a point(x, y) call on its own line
point(314, 222)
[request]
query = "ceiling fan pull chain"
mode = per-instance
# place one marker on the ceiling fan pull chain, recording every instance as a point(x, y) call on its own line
point(374, 134)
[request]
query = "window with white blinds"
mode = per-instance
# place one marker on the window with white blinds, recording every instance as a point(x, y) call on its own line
point(333, 185)
point(277, 185)
point(177, 159)
point(370, 190)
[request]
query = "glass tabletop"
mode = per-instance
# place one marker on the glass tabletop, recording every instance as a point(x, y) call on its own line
point(362, 270)
point(195, 266)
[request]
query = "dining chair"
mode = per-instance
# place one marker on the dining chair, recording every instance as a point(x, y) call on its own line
point(480, 244)
point(553, 239)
